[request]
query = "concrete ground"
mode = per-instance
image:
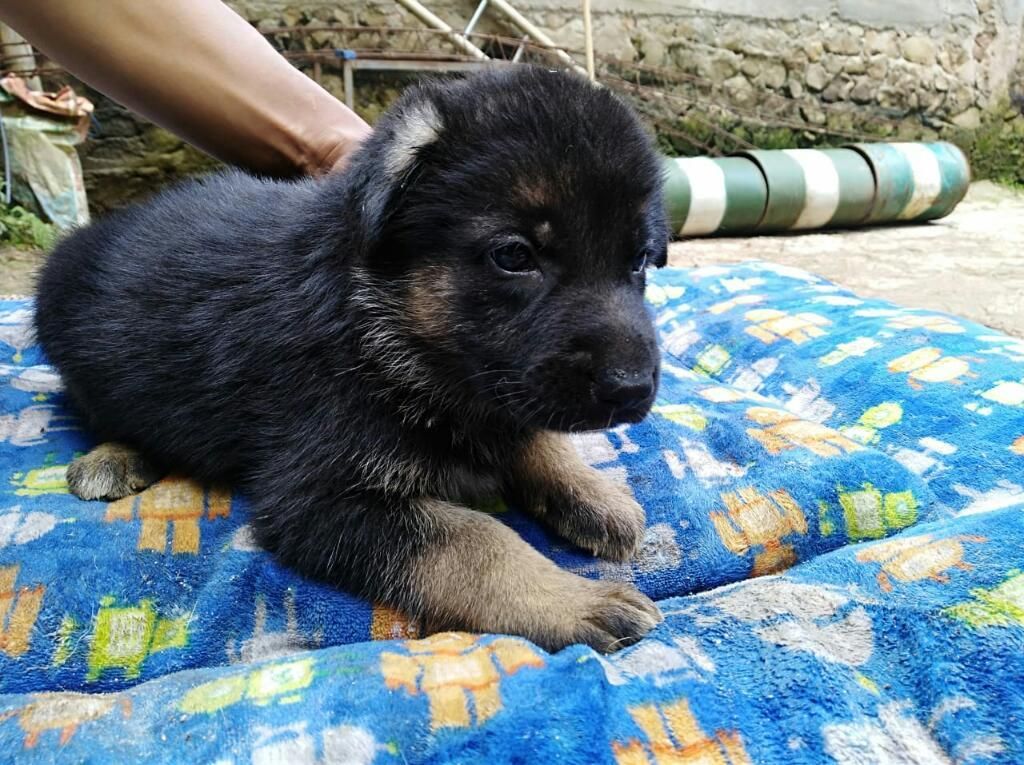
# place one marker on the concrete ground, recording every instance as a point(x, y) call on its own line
point(970, 263)
point(17, 270)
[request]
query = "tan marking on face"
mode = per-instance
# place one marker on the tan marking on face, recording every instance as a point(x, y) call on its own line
point(534, 192)
point(429, 301)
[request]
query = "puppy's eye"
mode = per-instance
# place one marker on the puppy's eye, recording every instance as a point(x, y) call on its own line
point(514, 257)
point(640, 261)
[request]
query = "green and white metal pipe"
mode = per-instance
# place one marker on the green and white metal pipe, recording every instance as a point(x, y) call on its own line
point(757, 192)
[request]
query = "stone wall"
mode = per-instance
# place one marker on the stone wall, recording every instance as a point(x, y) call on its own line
point(912, 68)
point(943, 62)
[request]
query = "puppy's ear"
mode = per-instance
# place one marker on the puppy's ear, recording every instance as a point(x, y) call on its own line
point(401, 142)
point(660, 255)
point(658, 225)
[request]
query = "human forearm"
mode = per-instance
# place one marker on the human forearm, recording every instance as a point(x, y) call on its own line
point(198, 69)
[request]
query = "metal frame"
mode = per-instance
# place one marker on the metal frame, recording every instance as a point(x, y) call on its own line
point(349, 67)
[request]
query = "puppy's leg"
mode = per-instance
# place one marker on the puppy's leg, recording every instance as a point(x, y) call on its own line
point(110, 471)
point(457, 569)
point(575, 500)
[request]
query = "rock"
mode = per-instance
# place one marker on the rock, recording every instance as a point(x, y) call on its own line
point(833, 64)
point(814, 50)
point(930, 102)
point(863, 91)
point(842, 42)
point(941, 84)
point(795, 62)
point(919, 50)
point(324, 38)
point(981, 45)
point(953, 56)
point(838, 90)
point(771, 74)
point(881, 42)
point(691, 29)
point(968, 120)
point(739, 91)
point(774, 75)
point(960, 99)
point(877, 67)
point(720, 68)
point(855, 65)
point(816, 78)
point(796, 88)
point(611, 38)
point(813, 114)
point(652, 50)
point(889, 98)
point(763, 41)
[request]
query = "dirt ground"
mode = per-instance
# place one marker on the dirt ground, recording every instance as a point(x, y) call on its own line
point(970, 263)
point(17, 270)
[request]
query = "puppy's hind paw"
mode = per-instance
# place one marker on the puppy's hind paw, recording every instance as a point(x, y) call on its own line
point(109, 472)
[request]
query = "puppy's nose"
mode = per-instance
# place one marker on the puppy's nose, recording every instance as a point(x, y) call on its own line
point(624, 389)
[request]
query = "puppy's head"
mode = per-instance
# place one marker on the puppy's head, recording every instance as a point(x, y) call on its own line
point(512, 217)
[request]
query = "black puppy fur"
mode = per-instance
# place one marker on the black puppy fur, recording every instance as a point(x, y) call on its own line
point(363, 353)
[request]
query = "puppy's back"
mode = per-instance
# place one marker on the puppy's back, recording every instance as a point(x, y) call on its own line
point(160, 308)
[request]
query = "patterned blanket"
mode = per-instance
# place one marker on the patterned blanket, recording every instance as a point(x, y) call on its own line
point(833, 489)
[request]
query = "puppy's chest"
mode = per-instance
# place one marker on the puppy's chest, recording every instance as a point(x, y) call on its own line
point(465, 466)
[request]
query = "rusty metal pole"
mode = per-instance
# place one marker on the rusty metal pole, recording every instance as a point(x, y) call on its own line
point(536, 34)
point(460, 41)
point(588, 40)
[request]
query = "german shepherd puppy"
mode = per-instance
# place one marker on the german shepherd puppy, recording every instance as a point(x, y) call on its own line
point(367, 354)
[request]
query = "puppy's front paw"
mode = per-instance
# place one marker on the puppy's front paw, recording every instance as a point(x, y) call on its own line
point(614, 616)
point(599, 516)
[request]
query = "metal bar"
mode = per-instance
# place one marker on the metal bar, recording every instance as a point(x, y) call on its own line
point(476, 17)
point(348, 85)
point(521, 49)
point(404, 55)
point(458, 40)
point(7, 162)
point(588, 40)
point(415, 65)
point(536, 34)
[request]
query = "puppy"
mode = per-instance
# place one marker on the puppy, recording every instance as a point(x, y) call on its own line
point(366, 355)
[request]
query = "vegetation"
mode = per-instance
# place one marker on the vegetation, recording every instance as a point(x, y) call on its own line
point(24, 229)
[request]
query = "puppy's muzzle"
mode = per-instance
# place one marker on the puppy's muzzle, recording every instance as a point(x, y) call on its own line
point(626, 393)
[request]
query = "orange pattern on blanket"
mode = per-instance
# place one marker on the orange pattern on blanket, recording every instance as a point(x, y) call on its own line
point(682, 742)
point(454, 669)
point(171, 508)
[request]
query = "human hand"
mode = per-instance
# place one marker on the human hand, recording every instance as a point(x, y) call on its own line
point(337, 146)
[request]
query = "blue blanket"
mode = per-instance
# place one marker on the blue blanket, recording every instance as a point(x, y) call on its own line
point(833, 490)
